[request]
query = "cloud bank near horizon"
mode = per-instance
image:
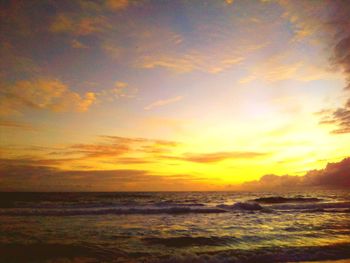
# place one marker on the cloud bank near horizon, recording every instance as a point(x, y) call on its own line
point(36, 175)
point(334, 175)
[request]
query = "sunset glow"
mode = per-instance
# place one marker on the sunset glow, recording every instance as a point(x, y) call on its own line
point(170, 95)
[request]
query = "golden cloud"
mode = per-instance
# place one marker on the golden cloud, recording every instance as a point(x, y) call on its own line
point(43, 93)
point(117, 4)
point(219, 156)
point(115, 147)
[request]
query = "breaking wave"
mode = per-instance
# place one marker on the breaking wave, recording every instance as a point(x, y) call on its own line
point(312, 206)
point(280, 199)
point(169, 207)
point(242, 206)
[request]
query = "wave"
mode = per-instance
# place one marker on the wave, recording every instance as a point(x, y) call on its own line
point(186, 241)
point(45, 252)
point(265, 254)
point(175, 208)
point(112, 211)
point(337, 207)
point(174, 203)
point(280, 199)
point(314, 206)
point(242, 206)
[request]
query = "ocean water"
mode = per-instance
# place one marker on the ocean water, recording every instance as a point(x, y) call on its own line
point(175, 227)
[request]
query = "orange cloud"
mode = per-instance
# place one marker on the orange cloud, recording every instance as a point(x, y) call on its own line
point(49, 94)
point(16, 125)
point(120, 90)
point(117, 4)
point(306, 18)
point(96, 150)
point(115, 146)
point(188, 62)
point(218, 156)
point(77, 25)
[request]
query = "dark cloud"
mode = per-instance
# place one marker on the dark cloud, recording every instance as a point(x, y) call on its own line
point(42, 175)
point(334, 175)
point(339, 24)
point(25, 174)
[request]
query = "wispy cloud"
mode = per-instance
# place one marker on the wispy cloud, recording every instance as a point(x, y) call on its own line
point(219, 156)
point(113, 147)
point(78, 25)
point(338, 24)
point(278, 68)
point(160, 103)
point(16, 125)
point(312, 20)
point(117, 4)
point(78, 44)
point(119, 90)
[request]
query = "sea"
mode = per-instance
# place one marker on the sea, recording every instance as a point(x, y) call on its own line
point(303, 226)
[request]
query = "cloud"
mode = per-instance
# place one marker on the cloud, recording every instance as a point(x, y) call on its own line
point(306, 18)
point(96, 150)
point(217, 156)
point(160, 103)
point(78, 25)
point(119, 90)
point(112, 50)
point(340, 118)
point(31, 175)
point(168, 48)
point(117, 4)
point(330, 22)
point(184, 63)
point(11, 124)
point(334, 175)
point(42, 93)
point(279, 68)
point(77, 44)
point(112, 147)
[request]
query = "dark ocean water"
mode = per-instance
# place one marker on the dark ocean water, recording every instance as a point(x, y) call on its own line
point(175, 227)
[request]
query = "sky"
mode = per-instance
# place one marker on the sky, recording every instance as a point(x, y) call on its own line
point(150, 95)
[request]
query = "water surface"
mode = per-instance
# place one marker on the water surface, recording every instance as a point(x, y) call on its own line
point(175, 227)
